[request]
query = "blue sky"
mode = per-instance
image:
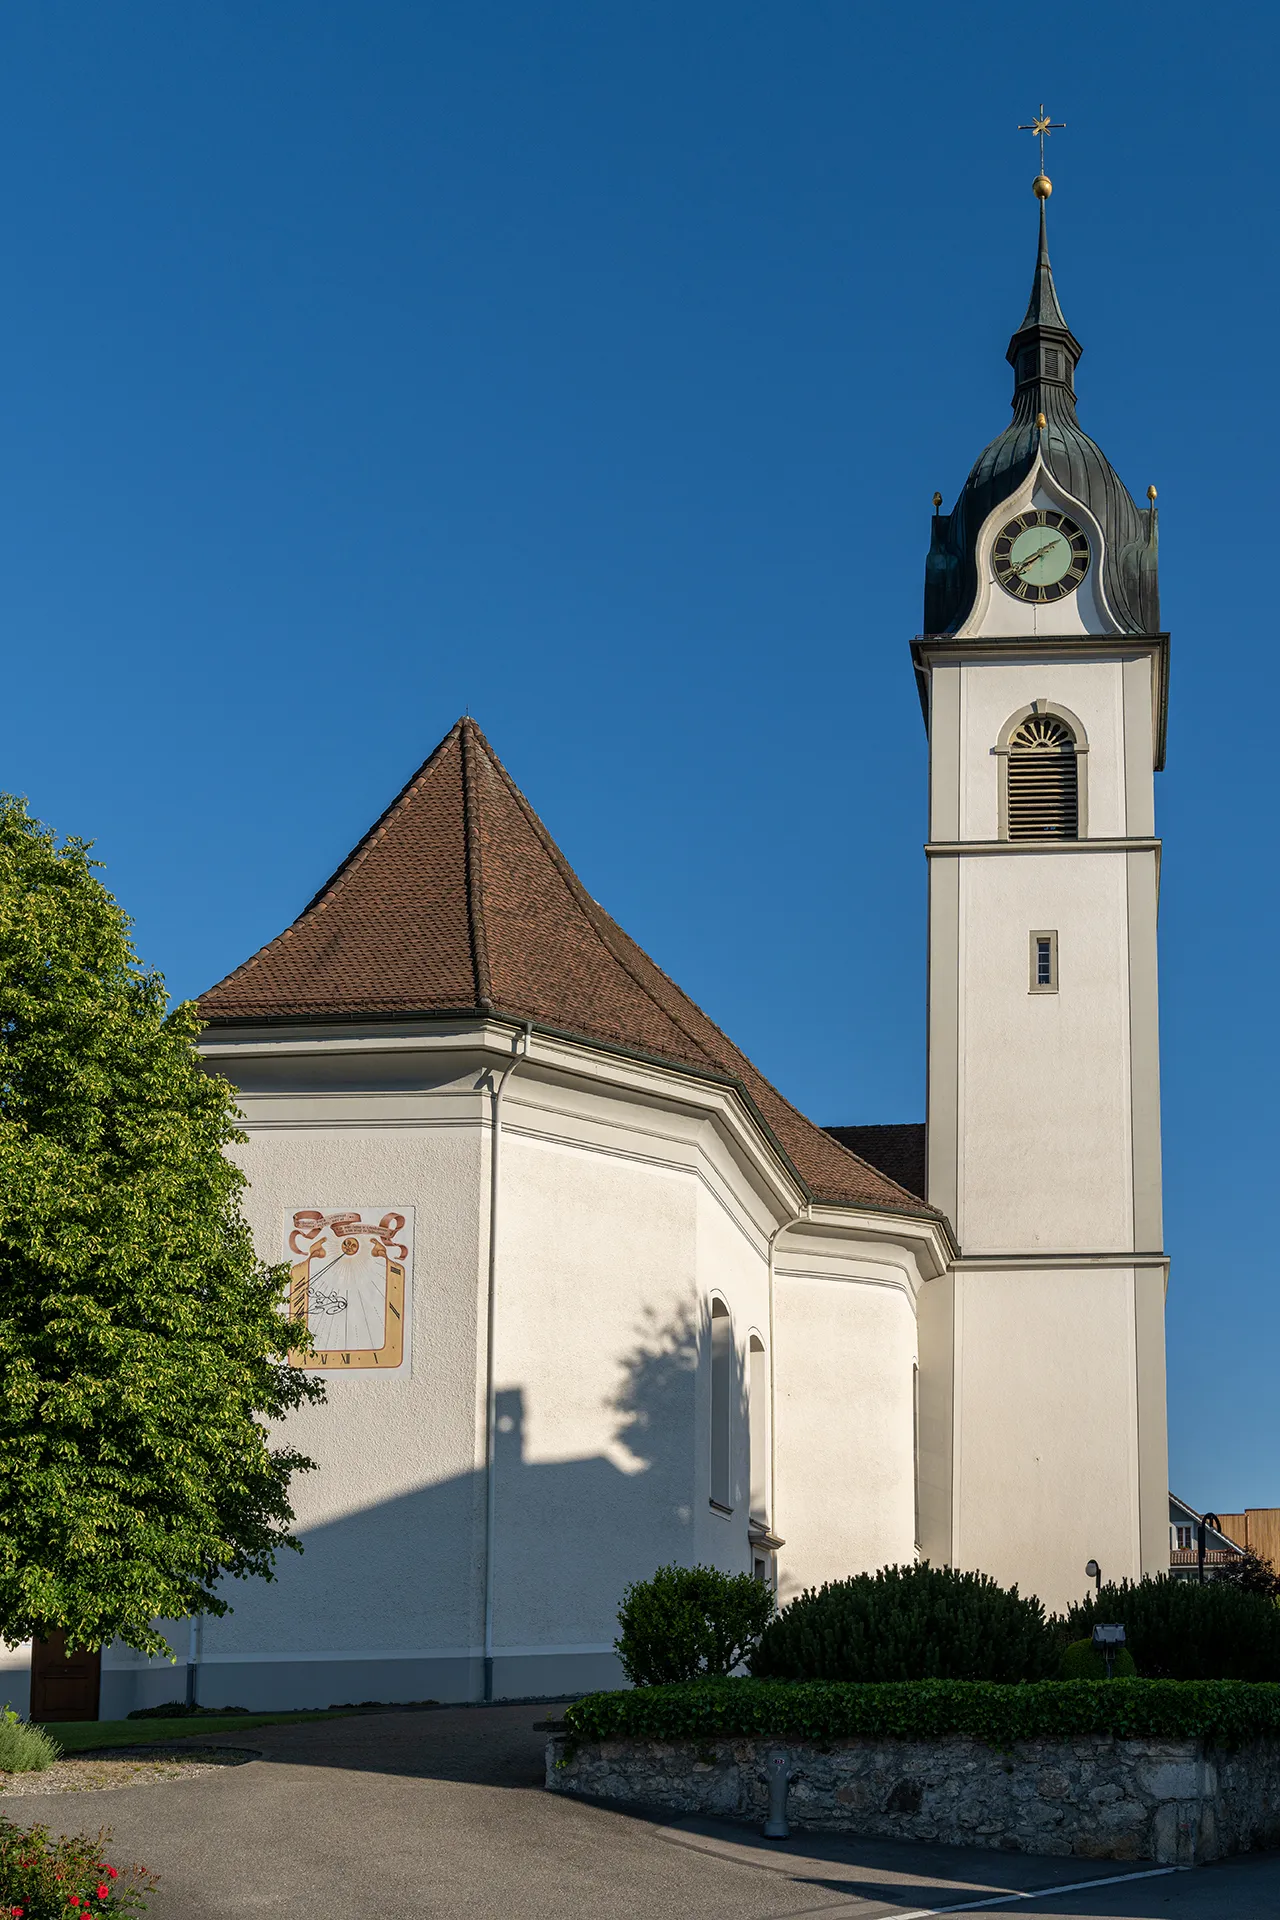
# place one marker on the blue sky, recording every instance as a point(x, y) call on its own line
point(592, 367)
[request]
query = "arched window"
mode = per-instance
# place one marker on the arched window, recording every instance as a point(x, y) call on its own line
point(1042, 787)
point(757, 1414)
point(721, 1406)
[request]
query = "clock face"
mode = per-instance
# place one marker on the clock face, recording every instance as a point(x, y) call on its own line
point(1040, 555)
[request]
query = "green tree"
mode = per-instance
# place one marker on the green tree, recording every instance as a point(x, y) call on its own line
point(143, 1348)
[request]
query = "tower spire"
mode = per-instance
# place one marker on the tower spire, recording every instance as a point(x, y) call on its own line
point(1044, 352)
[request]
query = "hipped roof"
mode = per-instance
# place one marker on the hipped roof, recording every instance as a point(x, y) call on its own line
point(458, 901)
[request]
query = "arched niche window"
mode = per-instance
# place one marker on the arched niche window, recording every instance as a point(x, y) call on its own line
point(721, 1406)
point(757, 1414)
point(1042, 775)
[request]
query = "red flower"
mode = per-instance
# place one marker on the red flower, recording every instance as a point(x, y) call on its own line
point(114, 1872)
point(102, 1891)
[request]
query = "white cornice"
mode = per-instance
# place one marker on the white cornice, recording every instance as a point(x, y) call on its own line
point(488, 1042)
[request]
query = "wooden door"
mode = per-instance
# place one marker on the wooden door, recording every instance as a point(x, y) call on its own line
point(64, 1686)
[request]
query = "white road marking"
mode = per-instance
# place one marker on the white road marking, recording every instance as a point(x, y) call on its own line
point(856, 1910)
point(1040, 1893)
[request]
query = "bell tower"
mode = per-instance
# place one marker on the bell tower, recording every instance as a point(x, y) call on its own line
point(1043, 676)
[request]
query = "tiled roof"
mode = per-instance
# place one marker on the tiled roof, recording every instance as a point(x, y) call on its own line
point(897, 1150)
point(458, 901)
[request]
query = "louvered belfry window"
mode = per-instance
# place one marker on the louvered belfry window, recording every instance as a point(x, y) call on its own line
point(1042, 775)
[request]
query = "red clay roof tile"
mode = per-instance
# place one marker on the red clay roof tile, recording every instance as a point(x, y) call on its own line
point(458, 900)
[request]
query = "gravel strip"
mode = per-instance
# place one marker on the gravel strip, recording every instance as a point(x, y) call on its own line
point(123, 1767)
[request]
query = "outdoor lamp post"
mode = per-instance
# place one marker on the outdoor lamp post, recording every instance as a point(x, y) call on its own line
point(1108, 1641)
point(1206, 1521)
point(1093, 1572)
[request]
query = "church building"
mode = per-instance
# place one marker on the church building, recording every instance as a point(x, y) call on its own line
point(589, 1295)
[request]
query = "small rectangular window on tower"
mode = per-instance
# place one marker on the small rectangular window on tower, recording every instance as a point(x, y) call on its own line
point(1044, 962)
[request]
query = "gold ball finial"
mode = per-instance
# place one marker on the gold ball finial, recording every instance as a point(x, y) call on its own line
point(1042, 186)
point(1041, 422)
point(937, 500)
point(1151, 493)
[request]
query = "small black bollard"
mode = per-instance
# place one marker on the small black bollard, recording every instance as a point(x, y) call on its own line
point(779, 1778)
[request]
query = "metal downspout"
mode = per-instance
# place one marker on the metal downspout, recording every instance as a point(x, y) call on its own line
point(520, 1052)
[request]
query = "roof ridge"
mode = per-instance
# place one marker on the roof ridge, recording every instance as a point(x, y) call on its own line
point(471, 737)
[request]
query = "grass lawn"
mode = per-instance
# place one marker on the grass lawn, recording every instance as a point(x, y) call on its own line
point(78, 1736)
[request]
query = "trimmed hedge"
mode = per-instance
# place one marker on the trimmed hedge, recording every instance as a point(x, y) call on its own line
point(1222, 1712)
point(1180, 1630)
point(909, 1623)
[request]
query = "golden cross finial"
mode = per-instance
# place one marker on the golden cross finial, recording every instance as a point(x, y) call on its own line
point(1042, 126)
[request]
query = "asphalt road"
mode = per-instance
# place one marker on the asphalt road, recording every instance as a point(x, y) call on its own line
point(443, 1814)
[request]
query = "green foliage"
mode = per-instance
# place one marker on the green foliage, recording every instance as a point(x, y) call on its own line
point(1251, 1573)
point(45, 1879)
point(24, 1748)
point(180, 1710)
point(689, 1622)
point(908, 1623)
point(1180, 1630)
point(1081, 1660)
point(1222, 1712)
point(143, 1350)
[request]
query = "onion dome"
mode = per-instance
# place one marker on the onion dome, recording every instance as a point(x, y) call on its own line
point(1044, 354)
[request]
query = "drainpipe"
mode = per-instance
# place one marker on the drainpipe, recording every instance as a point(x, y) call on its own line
point(773, 1369)
point(520, 1051)
point(193, 1656)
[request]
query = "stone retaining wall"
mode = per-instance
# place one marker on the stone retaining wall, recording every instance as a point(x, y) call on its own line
point(1170, 1801)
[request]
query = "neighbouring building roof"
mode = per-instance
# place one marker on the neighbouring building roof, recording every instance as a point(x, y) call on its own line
point(458, 901)
point(895, 1150)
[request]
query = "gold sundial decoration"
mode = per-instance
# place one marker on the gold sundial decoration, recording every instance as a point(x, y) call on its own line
point(1042, 126)
point(350, 1276)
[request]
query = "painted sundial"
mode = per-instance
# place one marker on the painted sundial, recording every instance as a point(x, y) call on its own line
point(349, 1280)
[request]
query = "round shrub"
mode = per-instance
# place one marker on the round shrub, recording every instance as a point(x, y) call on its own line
point(1180, 1630)
point(689, 1623)
point(1081, 1660)
point(908, 1623)
point(24, 1748)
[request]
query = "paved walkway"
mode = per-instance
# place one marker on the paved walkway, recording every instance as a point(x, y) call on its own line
point(443, 1814)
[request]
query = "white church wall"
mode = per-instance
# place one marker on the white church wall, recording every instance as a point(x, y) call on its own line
point(383, 1602)
point(627, 1196)
point(1046, 1470)
point(596, 1366)
point(619, 1223)
point(1045, 1140)
point(732, 1263)
point(844, 1323)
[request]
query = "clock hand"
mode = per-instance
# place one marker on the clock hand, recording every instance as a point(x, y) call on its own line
point(1039, 554)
